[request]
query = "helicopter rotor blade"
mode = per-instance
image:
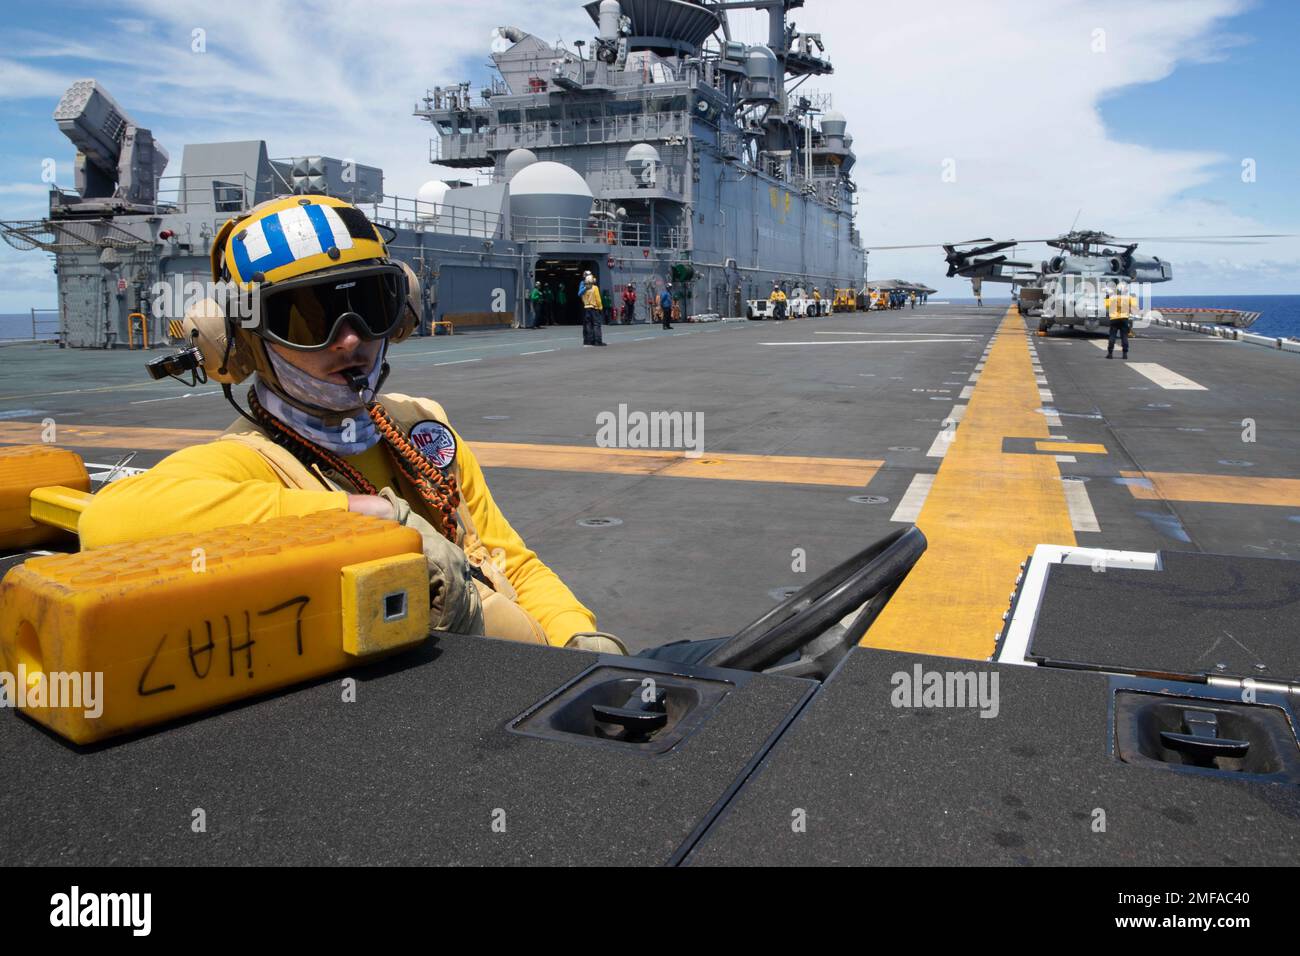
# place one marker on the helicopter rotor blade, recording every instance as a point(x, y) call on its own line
point(923, 245)
point(1244, 235)
point(1101, 240)
point(931, 245)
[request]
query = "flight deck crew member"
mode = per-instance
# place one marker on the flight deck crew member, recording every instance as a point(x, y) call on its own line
point(777, 298)
point(548, 306)
point(1119, 305)
point(592, 307)
point(319, 436)
point(629, 304)
point(666, 306)
point(535, 304)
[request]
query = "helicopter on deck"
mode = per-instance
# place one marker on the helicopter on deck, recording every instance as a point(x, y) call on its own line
point(1071, 287)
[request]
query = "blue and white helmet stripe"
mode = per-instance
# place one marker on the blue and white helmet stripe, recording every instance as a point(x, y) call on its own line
point(287, 236)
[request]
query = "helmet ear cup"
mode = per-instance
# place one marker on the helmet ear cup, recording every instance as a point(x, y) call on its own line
point(206, 326)
point(414, 307)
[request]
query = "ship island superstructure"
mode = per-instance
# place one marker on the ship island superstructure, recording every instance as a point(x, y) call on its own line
point(659, 151)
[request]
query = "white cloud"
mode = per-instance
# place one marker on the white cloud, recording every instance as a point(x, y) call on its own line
point(317, 77)
point(1012, 95)
point(18, 80)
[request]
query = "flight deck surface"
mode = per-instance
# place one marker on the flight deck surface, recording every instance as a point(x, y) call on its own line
point(818, 437)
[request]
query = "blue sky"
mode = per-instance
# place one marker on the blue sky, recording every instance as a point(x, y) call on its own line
point(1146, 136)
point(1244, 104)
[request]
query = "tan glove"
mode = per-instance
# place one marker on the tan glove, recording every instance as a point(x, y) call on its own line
point(454, 603)
point(598, 642)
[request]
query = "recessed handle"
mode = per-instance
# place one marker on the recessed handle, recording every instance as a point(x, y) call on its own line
point(636, 721)
point(1204, 748)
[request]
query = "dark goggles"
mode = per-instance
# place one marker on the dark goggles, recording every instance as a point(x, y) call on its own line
point(306, 313)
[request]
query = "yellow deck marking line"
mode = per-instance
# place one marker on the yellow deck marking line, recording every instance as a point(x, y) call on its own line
point(1214, 489)
point(985, 513)
point(106, 436)
point(773, 469)
point(1071, 447)
point(779, 469)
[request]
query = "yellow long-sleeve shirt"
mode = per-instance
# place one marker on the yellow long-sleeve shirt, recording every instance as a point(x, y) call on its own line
point(1119, 307)
point(591, 298)
point(226, 482)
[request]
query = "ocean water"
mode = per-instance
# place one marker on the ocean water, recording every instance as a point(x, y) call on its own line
point(1279, 314)
point(20, 326)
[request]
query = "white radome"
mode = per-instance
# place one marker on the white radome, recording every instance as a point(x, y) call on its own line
point(430, 197)
point(516, 160)
point(547, 189)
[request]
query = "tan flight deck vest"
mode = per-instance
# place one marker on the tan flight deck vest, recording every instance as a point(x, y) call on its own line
point(502, 615)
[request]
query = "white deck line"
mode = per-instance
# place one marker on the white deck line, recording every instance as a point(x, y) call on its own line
point(1165, 378)
point(943, 441)
point(1082, 517)
point(909, 508)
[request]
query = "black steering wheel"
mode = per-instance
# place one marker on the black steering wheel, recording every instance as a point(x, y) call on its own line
point(867, 578)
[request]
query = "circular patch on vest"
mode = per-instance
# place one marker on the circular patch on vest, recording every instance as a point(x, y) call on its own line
point(435, 442)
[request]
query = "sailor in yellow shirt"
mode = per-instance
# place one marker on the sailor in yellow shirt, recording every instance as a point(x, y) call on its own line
point(593, 310)
point(318, 436)
point(1120, 306)
point(778, 300)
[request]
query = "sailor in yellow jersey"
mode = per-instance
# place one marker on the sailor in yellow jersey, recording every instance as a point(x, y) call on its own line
point(319, 436)
point(778, 300)
point(593, 310)
point(1120, 306)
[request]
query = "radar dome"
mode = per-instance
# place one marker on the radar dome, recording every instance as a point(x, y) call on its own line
point(516, 160)
point(641, 153)
point(642, 161)
point(834, 123)
point(547, 189)
point(430, 196)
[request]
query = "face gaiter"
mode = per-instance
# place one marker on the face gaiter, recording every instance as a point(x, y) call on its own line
point(330, 429)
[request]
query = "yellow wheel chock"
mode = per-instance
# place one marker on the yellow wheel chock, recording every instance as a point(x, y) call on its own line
point(113, 640)
point(24, 469)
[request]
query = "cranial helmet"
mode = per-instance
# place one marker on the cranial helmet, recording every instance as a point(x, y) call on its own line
point(290, 271)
